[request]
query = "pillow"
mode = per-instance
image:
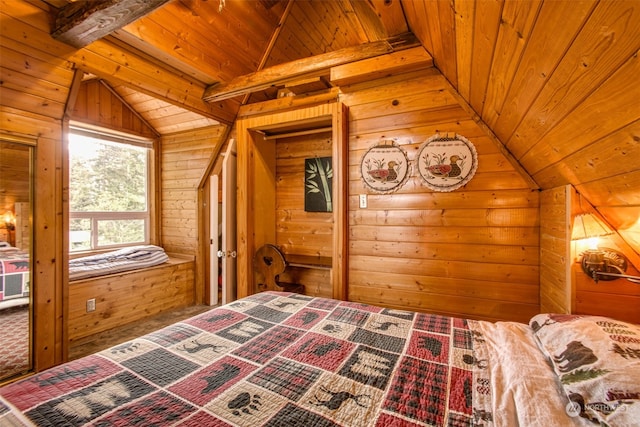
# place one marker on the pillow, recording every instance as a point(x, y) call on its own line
point(597, 361)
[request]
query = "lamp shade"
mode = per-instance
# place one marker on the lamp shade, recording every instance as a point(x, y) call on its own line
point(9, 218)
point(587, 225)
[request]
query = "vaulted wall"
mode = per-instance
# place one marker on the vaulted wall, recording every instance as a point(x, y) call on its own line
point(472, 252)
point(97, 104)
point(555, 82)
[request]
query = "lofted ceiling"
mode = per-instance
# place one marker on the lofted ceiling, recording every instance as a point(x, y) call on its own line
point(556, 82)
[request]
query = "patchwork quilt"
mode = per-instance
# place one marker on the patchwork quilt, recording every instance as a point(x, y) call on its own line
point(271, 359)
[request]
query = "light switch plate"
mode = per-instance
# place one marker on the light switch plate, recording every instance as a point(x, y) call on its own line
point(363, 201)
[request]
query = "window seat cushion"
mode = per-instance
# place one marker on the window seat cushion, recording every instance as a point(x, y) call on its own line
point(125, 259)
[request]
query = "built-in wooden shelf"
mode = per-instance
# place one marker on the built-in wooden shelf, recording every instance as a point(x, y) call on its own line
point(308, 261)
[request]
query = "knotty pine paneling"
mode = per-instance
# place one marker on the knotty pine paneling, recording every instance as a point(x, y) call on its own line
point(472, 252)
point(485, 33)
point(34, 90)
point(302, 35)
point(165, 118)
point(33, 77)
point(128, 297)
point(297, 231)
point(566, 19)
point(555, 235)
point(244, 28)
point(516, 23)
point(586, 122)
point(619, 299)
point(627, 221)
point(96, 104)
point(610, 156)
point(257, 186)
point(14, 180)
point(184, 159)
point(551, 107)
point(49, 255)
point(569, 115)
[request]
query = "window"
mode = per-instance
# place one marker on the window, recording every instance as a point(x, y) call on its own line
point(108, 190)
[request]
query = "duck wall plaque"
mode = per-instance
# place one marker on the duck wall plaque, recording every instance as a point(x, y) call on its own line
point(447, 162)
point(384, 167)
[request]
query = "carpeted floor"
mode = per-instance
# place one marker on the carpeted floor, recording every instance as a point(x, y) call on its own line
point(14, 340)
point(103, 340)
point(14, 336)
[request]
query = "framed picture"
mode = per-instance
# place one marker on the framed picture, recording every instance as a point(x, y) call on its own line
point(318, 182)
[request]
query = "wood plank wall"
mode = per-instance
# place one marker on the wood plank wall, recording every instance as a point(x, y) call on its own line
point(619, 299)
point(564, 287)
point(15, 184)
point(131, 296)
point(14, 181)
point(35, 87)
point(47, 283)
point(299, 232)
point(185, 158)
point(98, 105)
point(472, 252)
point(128, 297)
point(555, 257)
point(563, 126)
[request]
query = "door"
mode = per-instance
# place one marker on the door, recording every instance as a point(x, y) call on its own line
point(229, 245)
point(215, 227)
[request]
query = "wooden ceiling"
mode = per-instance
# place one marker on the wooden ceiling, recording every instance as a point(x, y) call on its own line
point(210, 43)
point(555, 81)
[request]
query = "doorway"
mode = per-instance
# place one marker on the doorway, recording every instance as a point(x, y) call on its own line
point(223, 246)
point(264, 211)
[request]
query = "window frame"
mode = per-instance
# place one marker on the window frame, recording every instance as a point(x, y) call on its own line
point(148, 216)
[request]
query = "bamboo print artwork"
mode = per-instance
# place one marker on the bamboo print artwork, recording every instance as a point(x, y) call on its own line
point(318, 181)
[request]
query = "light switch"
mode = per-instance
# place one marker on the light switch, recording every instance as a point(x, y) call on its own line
point(363, 201)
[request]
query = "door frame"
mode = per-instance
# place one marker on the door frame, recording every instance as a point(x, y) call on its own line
point(256, 186)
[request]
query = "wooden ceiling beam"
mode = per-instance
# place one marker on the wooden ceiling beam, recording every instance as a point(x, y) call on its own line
point(116, 63)
point(81, 23)
point(315, 66)
point(272, 43)
point(367, 19)
point(380, 19)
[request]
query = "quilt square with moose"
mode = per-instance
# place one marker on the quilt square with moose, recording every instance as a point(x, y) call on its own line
point(271, 359)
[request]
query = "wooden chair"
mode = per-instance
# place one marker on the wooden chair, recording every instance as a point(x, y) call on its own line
point(269, 263)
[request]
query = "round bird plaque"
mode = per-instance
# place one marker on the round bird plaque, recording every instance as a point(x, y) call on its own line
point(384, 167)
point(446, 163)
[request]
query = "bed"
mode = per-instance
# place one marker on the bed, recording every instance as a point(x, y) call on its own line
point(284, 359)
point(14, 276)
point(117, 261)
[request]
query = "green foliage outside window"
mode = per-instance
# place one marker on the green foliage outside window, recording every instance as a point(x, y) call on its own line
point(106, 178)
